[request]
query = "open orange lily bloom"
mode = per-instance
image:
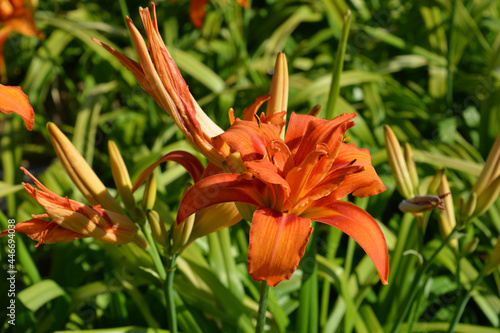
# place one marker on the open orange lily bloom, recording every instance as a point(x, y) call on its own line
point(292, 182)
point(14, 17)
point(14, 100)
point(72, 220)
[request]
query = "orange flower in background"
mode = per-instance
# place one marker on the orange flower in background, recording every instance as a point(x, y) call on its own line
point(72, 220)
point(197, 11)
point(14, 100)
point(14, 17)
point(292, 182)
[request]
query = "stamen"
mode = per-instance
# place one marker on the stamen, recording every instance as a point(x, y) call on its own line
point(352, 162)
point(346, 139)
point(259, 122)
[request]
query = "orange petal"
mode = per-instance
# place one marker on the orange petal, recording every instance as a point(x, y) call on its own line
point(45, 232)
point(250, 138)
point(243, 3)
point(249, 112)
point(278, 190)
point(309, 173)
point(280, 155)
point(13, 99)
point(132, 66)
point(192, 165)
point(363, 184)
point(358, 224)
point(320, 131)
point(224, 187)
point(327, 185)
point(197, 12)
point(277, 243)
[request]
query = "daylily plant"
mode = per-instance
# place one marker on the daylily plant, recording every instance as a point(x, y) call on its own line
point(289, 181)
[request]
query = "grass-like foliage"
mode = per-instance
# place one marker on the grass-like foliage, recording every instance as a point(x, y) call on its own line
point(420, 75)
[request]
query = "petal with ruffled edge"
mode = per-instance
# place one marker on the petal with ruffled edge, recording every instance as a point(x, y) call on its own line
point(329, 132)
point(363, 184)
point(278, 190)
point(249, 112)
point(224, 187)
point(13, 99)
point(250, 138)
point(277, 243)
point(358, 224)
point(192, 165)
point(301, 126)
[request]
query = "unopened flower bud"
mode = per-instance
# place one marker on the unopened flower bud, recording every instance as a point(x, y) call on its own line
point(487, 197)
point(447, 219)
point(398, 165)
point(467, 208)
point(121, 176)
point(494, 260)
point(470, 246)
point(80, 172)
point(412, 168)
point(149, 196)
point(160, 233)
point(436, 180)
point(491, 169)
point(279, 87)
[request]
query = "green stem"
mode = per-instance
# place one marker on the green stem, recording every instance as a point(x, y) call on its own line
point(153, 251)
point(463, 303)
point(337, 67)
point(261, 315)
point(123, 8)
point(169, 294)
point(417, 281)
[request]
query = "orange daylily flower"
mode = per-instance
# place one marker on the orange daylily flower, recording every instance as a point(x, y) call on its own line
point(158, 75)
point(292, 182)
point(13, 99)
point(72, 220)
point(197, 11)
point(14, 17)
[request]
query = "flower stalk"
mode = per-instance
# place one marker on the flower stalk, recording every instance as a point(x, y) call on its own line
point(169, 294)
point(261, 314)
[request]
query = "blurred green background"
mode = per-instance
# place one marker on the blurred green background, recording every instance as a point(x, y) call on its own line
point(429, 69)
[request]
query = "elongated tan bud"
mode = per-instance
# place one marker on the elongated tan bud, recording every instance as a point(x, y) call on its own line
point(121, 176)
point(80, 172)
point(398, 164)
